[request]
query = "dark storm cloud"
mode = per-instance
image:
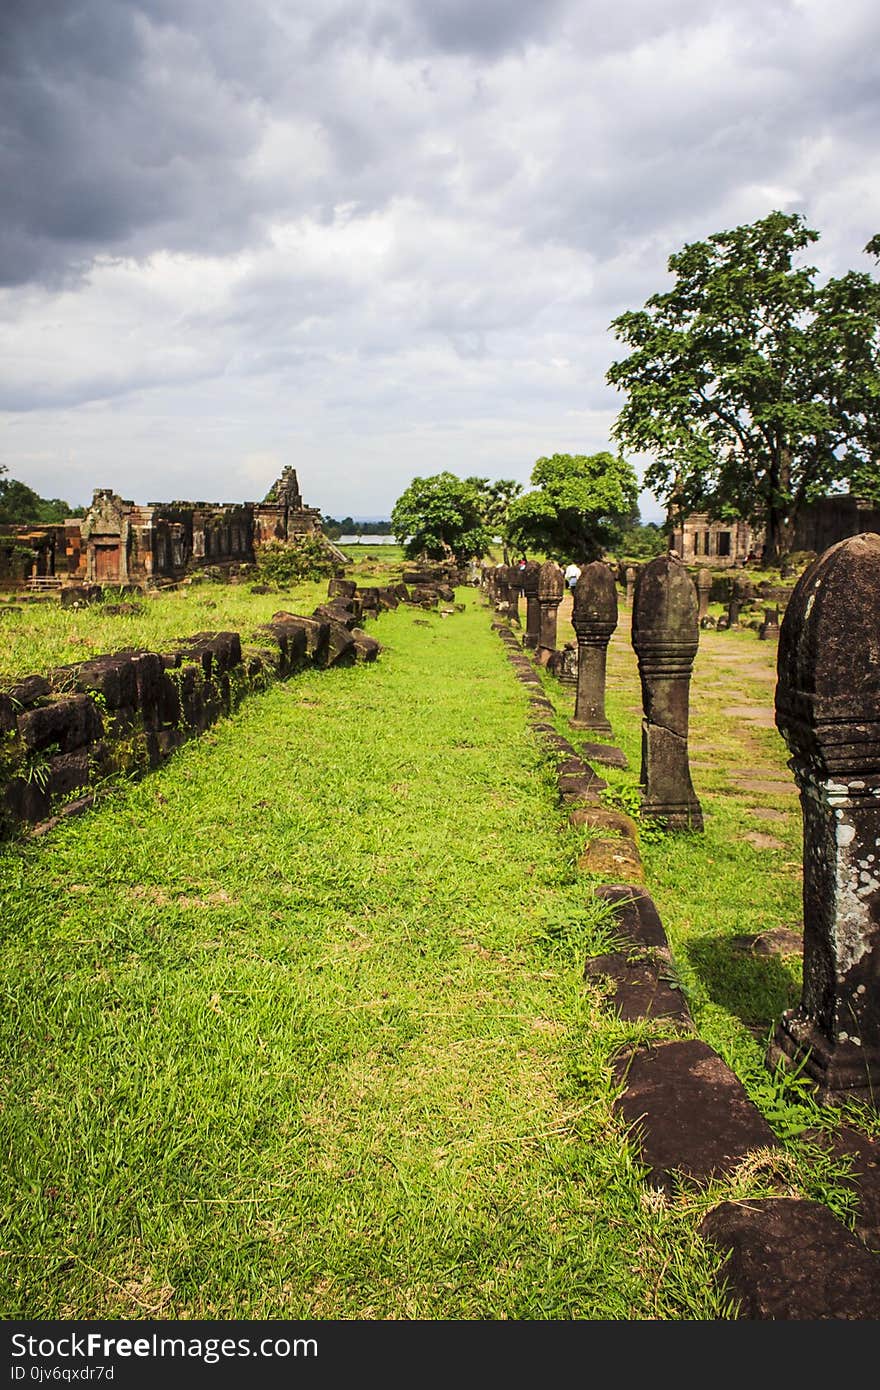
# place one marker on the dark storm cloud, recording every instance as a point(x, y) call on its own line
point(131, 126)
point(477, 28)
point(117, 137)
point(230, 225)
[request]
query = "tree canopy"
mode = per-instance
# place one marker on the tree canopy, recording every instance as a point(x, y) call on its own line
point(441, 517)
point(21, 506)
point(577, 508)
point(754, 388)
point(495, 500)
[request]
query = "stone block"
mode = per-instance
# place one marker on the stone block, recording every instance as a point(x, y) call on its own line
point(341, 649)
point(26, 801)
point(25, 693)
point(636, 918)
point(67, 772)
point(644, 986)
point(606, 754)
point(690, 1115)
point(367, 647)
point(71, 722)
point(113, 677)
point(612, 858)
point(791, 1259)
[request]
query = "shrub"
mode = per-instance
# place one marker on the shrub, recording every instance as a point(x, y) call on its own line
point(283, 563)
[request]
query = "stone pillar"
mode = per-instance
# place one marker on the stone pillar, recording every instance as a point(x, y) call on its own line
point(594, 618)
point(630, 584)
point(769, 629)
point(665, 635)
point(704, 588)
point(514, 583)
point(828, 712)
point(551, 587)
point(530, 579)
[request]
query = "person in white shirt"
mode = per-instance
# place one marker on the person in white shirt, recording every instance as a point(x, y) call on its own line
point(572, 575)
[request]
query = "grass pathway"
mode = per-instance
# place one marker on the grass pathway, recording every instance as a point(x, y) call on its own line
point(296, 1028)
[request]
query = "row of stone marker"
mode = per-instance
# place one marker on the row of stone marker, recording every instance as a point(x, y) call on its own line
point(787, 1258)
point(665, 635)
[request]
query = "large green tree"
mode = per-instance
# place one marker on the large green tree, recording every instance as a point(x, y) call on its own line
point(495, 500)
point(577, 508)
point(441, 517)
point(754, 387)
point(21, 506)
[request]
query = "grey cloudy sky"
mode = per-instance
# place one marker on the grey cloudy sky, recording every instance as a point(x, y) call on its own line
point(382, 238)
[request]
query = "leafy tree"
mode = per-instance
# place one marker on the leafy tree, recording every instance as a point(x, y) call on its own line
point(21, 506)
point(495, 500)
point(640, 542)
point(441, 517)
point(754, 388)
point(577, 508)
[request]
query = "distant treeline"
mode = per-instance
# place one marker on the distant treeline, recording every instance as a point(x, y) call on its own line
point(349, 527)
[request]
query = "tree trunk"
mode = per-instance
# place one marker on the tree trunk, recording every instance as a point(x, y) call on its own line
point(780, 517)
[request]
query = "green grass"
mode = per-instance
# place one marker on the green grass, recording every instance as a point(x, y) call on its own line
point(295, 1027)
point(44, 634)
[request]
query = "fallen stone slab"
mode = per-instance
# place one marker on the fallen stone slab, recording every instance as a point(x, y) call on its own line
point(779, 941)
point(580, 784)
point(603, 818)
point(644, 986)
point(612, 858)
point(367, 647)
point(606, 754)
point(788, 1258)
point(636, 918)
point(690, 1115)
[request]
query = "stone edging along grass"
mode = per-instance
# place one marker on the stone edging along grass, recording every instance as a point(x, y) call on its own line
point(687, 1112)
point(64, 734)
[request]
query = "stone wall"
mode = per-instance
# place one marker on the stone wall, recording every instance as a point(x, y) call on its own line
point(63, 733)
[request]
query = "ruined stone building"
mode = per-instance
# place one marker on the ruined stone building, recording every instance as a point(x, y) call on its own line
point(119, 542)
point(819, 525)
point(717, 543)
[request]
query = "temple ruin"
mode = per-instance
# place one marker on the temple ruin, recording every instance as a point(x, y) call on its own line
point(120, 542)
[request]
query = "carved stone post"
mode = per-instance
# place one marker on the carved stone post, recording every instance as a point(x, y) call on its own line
point(513, 588)
point(828, 712)
point(630, 584)
point(501, 596)
point(594, 618)
point(531, 578)
point(551, 587)
point(704, 588)
point(769, 629)
point(665, 635)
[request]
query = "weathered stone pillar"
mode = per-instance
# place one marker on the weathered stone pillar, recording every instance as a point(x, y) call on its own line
point(551, 587)
point(500, 586)
point(741, 595)
point(769, 629)
point(828, 712)
point(665, 635)
point(513, 587)
point(630, 584)
point(594, 618)
point(530, 579)
point(704, 588)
